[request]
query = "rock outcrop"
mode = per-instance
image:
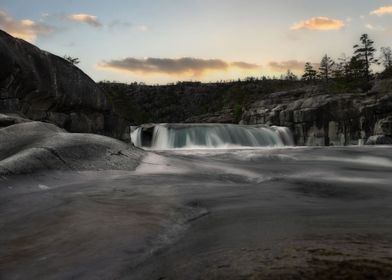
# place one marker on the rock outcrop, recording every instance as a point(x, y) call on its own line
point(44, 87)
point(31, 146)
point(316, 114)
point(224, 116)
point(320, 119)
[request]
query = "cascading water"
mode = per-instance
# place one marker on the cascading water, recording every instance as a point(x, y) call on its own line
point(209, 136)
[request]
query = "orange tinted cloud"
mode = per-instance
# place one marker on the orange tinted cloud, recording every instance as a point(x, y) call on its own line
point(169, 66)
point(283, 66)
point(25, 29)
point(319, 23)
point(84, 18)
point(374, 28)
point(382, 11)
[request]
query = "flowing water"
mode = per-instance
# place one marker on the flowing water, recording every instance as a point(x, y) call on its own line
point(210, 136)
point(273, 212)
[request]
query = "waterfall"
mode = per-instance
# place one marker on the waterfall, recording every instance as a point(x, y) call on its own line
point(284, 134)
point(209, 136)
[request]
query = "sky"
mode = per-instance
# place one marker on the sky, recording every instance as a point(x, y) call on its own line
point(164, 41)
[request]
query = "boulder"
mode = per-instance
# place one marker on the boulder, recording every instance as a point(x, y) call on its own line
point(32, 146)
point(44, 87)
point(7, 120)
point(384, 127)
point(379, 140)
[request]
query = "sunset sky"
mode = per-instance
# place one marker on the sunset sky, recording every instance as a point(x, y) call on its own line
point(161, 41)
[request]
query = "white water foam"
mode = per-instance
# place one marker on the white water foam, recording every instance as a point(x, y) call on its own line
point(209, 136)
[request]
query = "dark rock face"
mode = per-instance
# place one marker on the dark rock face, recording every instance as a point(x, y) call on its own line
point(384, 127)
point(318, 119)
point(224, 116)
point(379, 140)
point(45, 87)
point(7, 120)
point(315, 115)
point(190, 102)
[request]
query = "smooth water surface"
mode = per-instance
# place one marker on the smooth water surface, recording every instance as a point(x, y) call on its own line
point(294, 213)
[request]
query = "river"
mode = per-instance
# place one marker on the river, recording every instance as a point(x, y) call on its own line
point(265, 213)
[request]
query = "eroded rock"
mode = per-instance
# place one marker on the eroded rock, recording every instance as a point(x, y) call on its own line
point(319, 119)
point(28, 147)
point(44, 87)
point(379, 140)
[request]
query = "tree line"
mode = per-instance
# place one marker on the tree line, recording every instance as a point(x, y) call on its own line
point(354, 68)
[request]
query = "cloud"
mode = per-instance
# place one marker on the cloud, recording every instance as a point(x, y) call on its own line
point(244, 65)
point(124, 24)
point(374, 28)
point(169, 66)
point(382, 11)
point(283, 66)
point(319, 23)
point(84, 18)
point(25, 29)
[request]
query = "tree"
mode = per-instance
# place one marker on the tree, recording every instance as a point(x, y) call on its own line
point(309, 73)
point(364, 51)
point(386, 57)
point(326, 66)
point(355, 68)
point(290, 76)
point(386, 61)
point(73, 60)
point(341, 69)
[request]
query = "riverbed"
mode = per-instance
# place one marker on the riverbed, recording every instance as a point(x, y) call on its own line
point(268, 213)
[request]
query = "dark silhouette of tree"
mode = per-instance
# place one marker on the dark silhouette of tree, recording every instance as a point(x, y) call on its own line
point(326, 67)
point(341, 69)
point(364, 51)
point(386, 57)
point(290, 76)
point(73, 60)
point(356, 68)
point(309, 73)
point(386, 61)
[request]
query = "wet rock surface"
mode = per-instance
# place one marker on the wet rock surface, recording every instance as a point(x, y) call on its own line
point(291, 213)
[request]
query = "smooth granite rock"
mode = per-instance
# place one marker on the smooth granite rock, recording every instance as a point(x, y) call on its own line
point(44, 87)
point(28, 147)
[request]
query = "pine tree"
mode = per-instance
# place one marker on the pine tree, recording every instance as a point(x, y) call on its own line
point(364, 51)
point(326, 66)
point(355, 68)
point(341, 69)
point(309, 74)
point(290, 76)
